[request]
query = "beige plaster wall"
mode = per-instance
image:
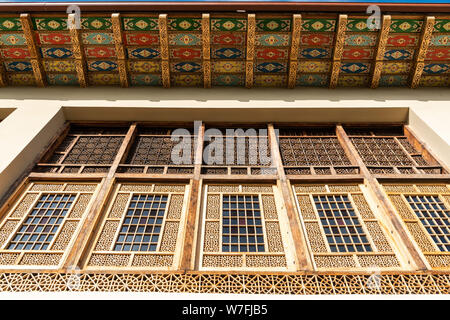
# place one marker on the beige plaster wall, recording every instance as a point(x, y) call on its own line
point(40, 112)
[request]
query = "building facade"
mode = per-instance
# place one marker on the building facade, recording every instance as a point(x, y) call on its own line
point(322, 167)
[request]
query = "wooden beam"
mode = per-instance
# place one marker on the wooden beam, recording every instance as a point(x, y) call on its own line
point(425, 37)
point(36, 64)
point(3, 79)
point(188, 251)
point(295, 45)
point(84, 242)
point(164, 42)
point(304, 262)
point(120, 52)
point(206, 48)
point(409, 250)
point(381, 46)
point(78, 54)
point(251, 35)
point(338, 50)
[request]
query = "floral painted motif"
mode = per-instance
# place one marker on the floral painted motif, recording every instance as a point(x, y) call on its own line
point(15, 53)
point(228, 39)
point(318, 25)
point(315, 53)
point(12, 39)
point(319, 80)
point(438, 54)
point(97, 38)
point(54, 38)
point(273, 25)
point(187, 66)
point(314, 66)
point(436, 68)
point(402, 40)
point(271, 67)
point(144, 66)
point(143, 53)
point(140, 24)
point(59, 65)
point(398, 54)
point(100, 52)
point(228, 24)
point(56, 53)
point(396, 67)
point(271, 53)
point(228, 66)
point(62, 79)
point(102, 65)
point(272, 40)
point(361, 40)
point(228, 80)
point(18, 66)
point(184, 24)
point(141, 39)
point(314, 39)
point(355, 67)
point(185, 39)
point(228, 53)
point(357, 53)
point(145, 80)
point(186, 53)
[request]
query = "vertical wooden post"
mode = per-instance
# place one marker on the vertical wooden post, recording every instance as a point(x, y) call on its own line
point(189, 250)
point(251, 34)
point(378, 60)
point(303, 262)
point(295, 45)
point(86, 235)
point(38, 70)
point(394, 219)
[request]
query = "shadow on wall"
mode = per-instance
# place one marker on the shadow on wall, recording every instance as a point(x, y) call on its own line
point(224, 93)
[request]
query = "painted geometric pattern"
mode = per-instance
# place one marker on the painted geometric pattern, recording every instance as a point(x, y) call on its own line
point(438, 54)
point(353, 81)
point(51, 24)
point(100, 52)
point(406, 25)
point(357, 53)
point(15, 53)
point(102, 65)
point(228, 80)
point(184, 24)
point(265, 80)
point(228, 39)
point(144, 66)
point(272, 40)
point(62, 79)
point(393, 80)
point(442, 25)
point(227, 53)
point(398, 54)
point(145, 79)
point(97, 38)
point(359, 25)
point(273, 25)
point(435, 81)
point(316, 39)
point(18, 66)
point(141, 39)
point(355, 67)
point(59, 65)
point(185, 39)
point(96, 23)
point(140, 24)
point(436, 68)
point(271, 53)
point(404, 40)
point(187, 66)
point(12, 39)
point(396, 67)
point(318, 25)
point(10, 24)
point(319, 80)
point(21, 79)
point(228, 24)
point(440, 40)
point(185, 53)
point(187, 80)
point(228, 66)
point(56, 53)
point(104, 78)
point(314, 66)
point(271, 67)
point(53, 38)
point(315, 53)
point(143, 53)
point(362, 40)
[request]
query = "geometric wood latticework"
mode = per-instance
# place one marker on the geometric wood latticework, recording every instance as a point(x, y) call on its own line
point(41, 226)
point(142, 228)
point(244, 229)
point(342, 230)
point(200, 49)
point(425, 211)
point(389, 151)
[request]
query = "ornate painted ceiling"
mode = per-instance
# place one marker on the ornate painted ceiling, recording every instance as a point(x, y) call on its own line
point(224, 49)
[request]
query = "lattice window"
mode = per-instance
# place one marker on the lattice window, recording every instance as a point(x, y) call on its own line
point(309, 150)
point(153, 152)
point(424, 209)
point(84, 150)
point(434, 216)
point(388, 151)
point(244, 227)
point(42, 223)
point(142, 227)
point(341, 228)
point(41, 226)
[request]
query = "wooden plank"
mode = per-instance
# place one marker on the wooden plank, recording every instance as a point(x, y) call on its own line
point(304, 262)
point(188, 252)
point(78, 53)
point(386, 207)
point(295, 45)
point(425, 37)
point(164, 42)
point(251, 35)
point(83, 242)
point(338, 50)
point(206, 46)
point(118, 41)
point(381, 46)
point(35, 60)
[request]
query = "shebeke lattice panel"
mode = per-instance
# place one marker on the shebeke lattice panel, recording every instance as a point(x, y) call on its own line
point(425, 211)
point(142, 228)
point(244, 228)
point(341, 228)
point(40, 227)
